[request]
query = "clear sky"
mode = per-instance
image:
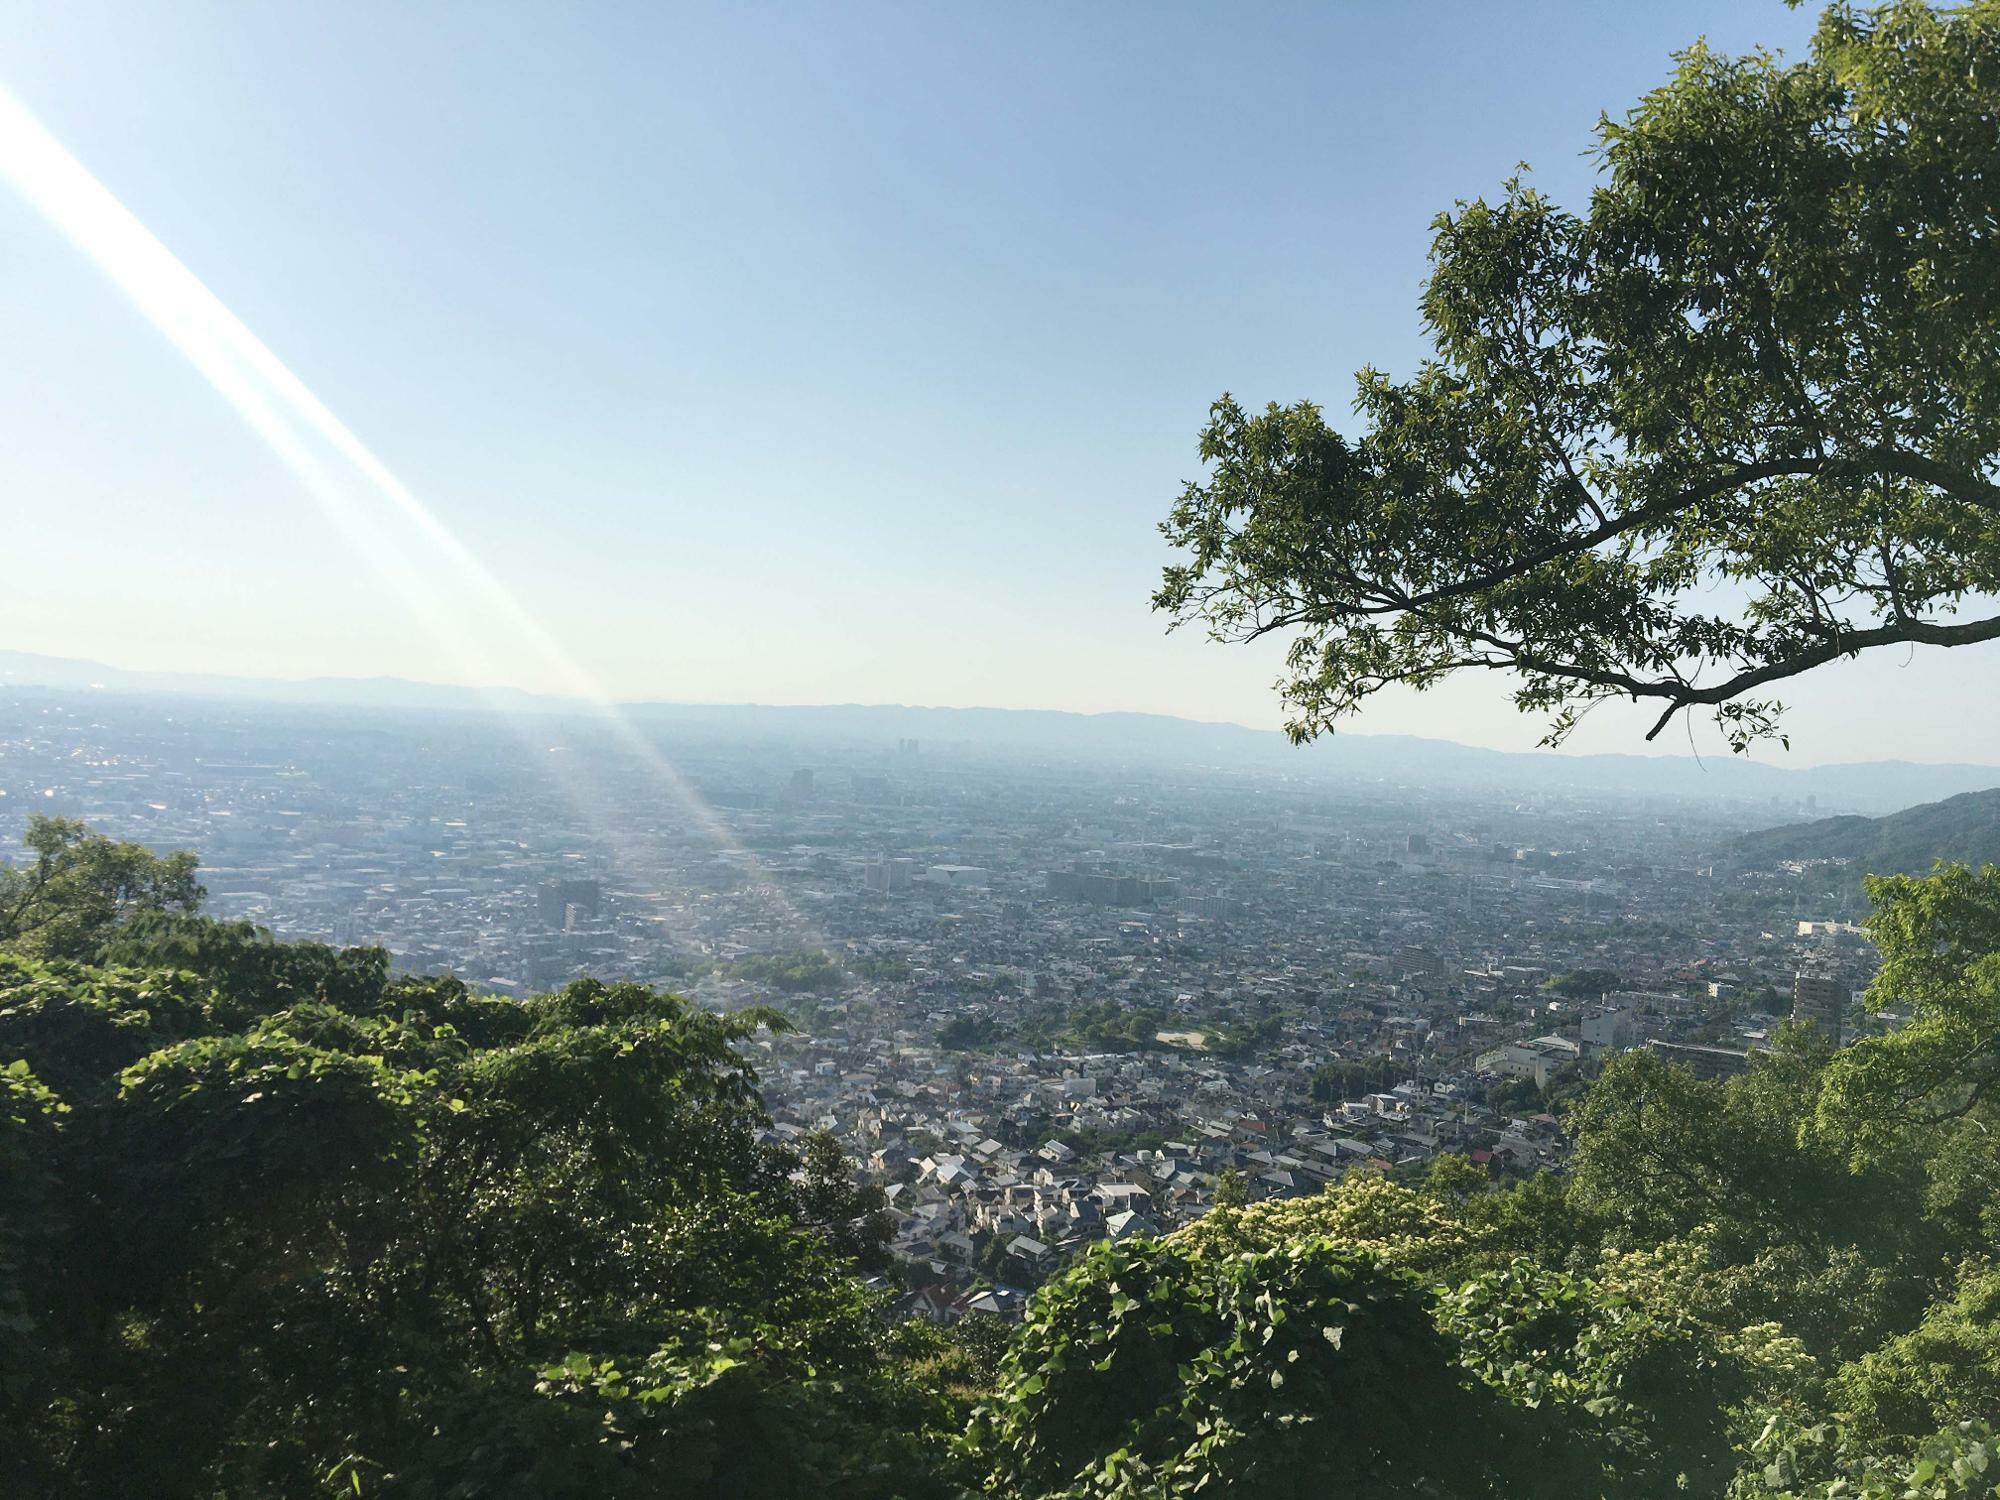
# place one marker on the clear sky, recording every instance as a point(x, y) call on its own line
point(774, 353)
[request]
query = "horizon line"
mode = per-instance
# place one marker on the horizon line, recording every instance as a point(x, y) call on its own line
point(563, 702)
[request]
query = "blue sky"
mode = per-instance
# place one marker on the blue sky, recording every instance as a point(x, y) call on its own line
point(770, 353)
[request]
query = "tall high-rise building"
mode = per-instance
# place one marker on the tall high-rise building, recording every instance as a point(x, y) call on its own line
point(1820, 1000)
point(888, 877)
point(554, 901)
point(1606, 1029)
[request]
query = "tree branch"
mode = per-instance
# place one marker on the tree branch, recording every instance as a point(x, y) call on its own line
point(1850, 643)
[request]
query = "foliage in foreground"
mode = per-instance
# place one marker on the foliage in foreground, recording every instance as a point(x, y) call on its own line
point(1786, 1284)
point(273, 1221)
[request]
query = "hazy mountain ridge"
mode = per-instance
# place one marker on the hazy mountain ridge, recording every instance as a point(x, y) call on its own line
point(1874, 787)
point(27, 669)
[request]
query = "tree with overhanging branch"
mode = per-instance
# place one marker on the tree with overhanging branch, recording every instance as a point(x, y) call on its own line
point(1738, 420)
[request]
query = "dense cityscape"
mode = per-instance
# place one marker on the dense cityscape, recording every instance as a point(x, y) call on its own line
point(1039, 1001)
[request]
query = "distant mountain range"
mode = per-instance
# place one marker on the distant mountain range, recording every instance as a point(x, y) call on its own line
point(1965, 828)
point(1150, 739)
point(25, 669)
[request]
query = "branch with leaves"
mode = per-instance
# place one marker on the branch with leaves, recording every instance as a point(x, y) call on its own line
point(1736, 422)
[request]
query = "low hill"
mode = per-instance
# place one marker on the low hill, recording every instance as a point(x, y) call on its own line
point(1965, 828)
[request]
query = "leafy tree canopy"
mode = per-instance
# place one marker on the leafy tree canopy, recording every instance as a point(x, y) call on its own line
point(1735, 420)
point(1583, 984)
point(80, 885)
point(1940, 943)
point(276, 1221)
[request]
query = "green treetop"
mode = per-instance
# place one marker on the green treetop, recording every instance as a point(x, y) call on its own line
point(1766, 356)
point(81, 885)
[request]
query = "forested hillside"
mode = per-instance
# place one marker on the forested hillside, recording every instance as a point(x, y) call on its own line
point(1964, 829)
point(274, 1222)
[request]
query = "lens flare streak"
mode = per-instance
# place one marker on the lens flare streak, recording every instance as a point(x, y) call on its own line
point(299, 428)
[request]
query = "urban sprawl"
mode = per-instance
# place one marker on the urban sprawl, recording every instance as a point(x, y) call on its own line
point(1041, 1000)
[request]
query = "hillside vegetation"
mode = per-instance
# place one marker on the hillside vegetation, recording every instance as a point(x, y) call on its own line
point(1962, 830)
point(275, 1222)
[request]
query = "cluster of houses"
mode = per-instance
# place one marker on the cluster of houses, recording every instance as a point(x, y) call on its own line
point(996, 1170)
